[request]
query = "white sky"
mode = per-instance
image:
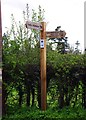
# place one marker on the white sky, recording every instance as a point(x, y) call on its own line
point(69, 14)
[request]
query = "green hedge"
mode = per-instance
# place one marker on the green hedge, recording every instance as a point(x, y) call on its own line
point(50, 114)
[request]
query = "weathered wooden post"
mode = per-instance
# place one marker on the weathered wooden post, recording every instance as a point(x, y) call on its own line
point(43, 65)
point(42, 28)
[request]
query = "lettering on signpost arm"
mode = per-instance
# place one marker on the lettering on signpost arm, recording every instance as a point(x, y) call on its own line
point(55, 34)
point(33, 25)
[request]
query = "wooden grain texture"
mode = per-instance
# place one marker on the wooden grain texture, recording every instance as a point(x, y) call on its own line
point(43, 67)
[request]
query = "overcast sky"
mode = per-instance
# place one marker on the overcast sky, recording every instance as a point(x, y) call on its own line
point(69, 14)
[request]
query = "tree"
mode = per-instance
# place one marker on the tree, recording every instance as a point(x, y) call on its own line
point(77, 51)
point(20, 46)
point(59, 44)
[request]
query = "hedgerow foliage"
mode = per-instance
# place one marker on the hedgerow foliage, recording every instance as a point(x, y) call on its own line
point(66, 74)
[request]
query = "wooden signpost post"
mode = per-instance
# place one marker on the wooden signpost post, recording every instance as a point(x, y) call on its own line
point(52, 34)
point(42, 27)
point(43, 65)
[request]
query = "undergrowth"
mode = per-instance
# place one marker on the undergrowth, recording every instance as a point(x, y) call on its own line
point(34, 113)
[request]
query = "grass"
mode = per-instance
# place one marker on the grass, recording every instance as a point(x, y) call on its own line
point(34, 113)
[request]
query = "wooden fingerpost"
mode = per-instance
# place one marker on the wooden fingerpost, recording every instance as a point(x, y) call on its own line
point(43, 65)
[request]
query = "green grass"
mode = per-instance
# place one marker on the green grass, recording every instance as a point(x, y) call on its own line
point(34, 113)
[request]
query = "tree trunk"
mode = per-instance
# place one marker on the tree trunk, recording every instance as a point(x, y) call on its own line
point(33, 94)
point(61, 99)
point(28, 95)
point(20, 94)
point(39, 94)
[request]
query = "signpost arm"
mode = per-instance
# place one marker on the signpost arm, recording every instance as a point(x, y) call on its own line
point(43, 67)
